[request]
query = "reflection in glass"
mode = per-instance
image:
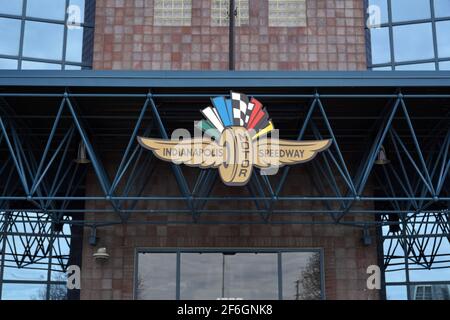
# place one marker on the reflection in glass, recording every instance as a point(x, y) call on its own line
point(396, 293)
point(24, 291)
point(74, 48)
point(404, 10)
point(11, 7)
point(382, 5)
point(43, 40)
point(8, 64)
point(10, 36)
point(407, 47)
point(76, 7)
point(251, 276)
point(72, 67)
point(417, 67)
point(381, 48)
point(444, 65)
point(48, 9)
point(14, 273)
point(201, 276)
point(301, 276)
point(443, 38)
point(156, 279)
point(58, 292)
point(442, 8)
point(32, 65)
point(382, 69)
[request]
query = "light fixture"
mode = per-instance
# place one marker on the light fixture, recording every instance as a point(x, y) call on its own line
point(382, 158)
point(82, 156)
point(101, 254)
point(367, 239)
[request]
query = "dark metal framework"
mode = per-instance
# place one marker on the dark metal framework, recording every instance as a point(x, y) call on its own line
point(390, 24)
point(88, 37)
point(46, 114)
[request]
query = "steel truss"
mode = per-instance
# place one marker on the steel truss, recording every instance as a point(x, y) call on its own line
point(42, 186)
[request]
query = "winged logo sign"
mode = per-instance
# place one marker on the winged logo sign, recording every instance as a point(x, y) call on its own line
point(235, 141)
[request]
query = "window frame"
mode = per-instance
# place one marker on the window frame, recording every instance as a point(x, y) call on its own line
point(278, 251)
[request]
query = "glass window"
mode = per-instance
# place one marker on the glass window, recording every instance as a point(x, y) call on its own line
point(10, 36)
point(74, 49)
point(405, 10)
point(417, 67)
point(287, 13)
point(32, 65)
point(382, 69)
point(443, 38)
point(219, 12)
point(72, 67)
point(172, 12)
point(406, 44)
point(208, 284)
point(156, 278)
point(8, 64)
point(301, 276)
point(15, 273)
point(381, 48)
point(444, 65)
point(24, 291)
point(396, 293)
point(75, 11)
point(251, 276)
point(378, 12)
point(11, 7)
point(43, 40)
point(442, 8)
point(48, 9)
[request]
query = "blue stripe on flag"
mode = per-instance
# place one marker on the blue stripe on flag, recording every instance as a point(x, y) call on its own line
point(220, 105)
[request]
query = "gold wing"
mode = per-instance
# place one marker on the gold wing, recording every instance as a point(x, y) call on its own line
point(278, 153)
point(201, 153)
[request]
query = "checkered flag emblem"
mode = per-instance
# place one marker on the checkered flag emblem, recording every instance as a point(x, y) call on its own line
point(242, 109)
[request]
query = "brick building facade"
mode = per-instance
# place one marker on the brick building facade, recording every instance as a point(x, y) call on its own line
point(126, 38)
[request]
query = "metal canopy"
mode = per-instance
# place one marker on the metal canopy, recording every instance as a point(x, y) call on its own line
point(45, 114)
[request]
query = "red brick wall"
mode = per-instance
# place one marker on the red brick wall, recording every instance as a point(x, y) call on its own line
point(333, 39)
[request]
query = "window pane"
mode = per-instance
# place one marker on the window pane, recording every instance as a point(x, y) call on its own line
point(417, 67)
point(396, 293)
point(201, 276)
point(48, 9)
point(11, 7)
point(444, 65)
point(380, 45)
point(251, 276)
point(24, 291)
point(172, 12)
point(443, 38)
point(287, 13)
point(219, 12)
point(403, 10)
point(58, 292)
point(379, 8)
point(74, 50)
point(156, 276)
point(301, 276)
point(71, 67)
point(8, 64)
point(76, 11)
point(406, 44)
point(11, 273)
point(43, 40)
point(442, 8)
point(32, 65)
point(382, 69)
point(10, 36)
